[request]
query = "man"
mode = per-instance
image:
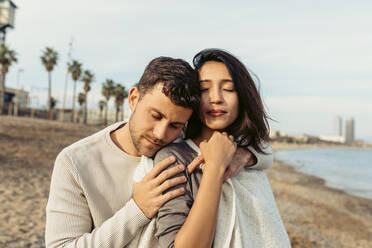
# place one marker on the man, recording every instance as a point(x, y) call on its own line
point(93, 201)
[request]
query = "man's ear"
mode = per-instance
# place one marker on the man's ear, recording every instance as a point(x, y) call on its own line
point(133, 98)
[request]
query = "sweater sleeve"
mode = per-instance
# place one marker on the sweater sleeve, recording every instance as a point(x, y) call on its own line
point(68, 218)
point(264, 161)
point(174, 212)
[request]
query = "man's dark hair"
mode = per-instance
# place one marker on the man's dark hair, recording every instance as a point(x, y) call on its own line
point(179, 79)
point(251, 126)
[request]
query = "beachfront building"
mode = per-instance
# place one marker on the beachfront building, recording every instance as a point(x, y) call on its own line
point(349, 131)
point(15, 100)
point(337, 125)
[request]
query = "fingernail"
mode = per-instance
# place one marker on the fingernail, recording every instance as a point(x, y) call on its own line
point(172, 158)
point(181, 167)
point(184, 179)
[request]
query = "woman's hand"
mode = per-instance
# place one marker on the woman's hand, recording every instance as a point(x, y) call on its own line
point(218, 152)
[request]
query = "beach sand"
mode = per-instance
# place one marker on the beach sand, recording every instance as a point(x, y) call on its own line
point(314, 215)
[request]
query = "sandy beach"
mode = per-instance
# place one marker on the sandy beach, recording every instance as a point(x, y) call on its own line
point(314, 215)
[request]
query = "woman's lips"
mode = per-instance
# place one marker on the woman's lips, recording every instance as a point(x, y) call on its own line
point(216, 113)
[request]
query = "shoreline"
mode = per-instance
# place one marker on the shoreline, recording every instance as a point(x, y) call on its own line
point(279, 146)
point(288, 147)
point(316, 215)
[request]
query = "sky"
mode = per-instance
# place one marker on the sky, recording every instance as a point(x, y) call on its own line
point(313, 58)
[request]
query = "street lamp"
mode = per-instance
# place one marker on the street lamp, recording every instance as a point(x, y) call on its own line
point(20, 70)
point(16, 99)
point(7, 13)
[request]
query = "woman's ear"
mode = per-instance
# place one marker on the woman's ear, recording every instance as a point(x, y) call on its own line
point(133, 98)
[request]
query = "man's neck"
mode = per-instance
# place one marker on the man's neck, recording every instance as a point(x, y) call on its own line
point(122, 139)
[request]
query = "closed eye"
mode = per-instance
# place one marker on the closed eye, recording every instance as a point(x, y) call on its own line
point(176, 126)
point(156, 117)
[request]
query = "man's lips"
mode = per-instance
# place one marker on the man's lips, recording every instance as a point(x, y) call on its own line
point(153, 143)
point(216, 112)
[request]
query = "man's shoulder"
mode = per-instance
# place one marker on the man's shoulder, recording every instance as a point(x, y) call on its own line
point(92, 145)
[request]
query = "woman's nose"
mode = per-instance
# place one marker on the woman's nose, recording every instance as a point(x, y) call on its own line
point(215, 96)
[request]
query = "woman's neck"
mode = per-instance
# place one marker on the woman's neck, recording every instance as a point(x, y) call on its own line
point(205, 134)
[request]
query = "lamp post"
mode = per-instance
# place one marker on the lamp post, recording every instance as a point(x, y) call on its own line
point(7, 13)
point(20, 70)
point(16, 100)
point(66, 79)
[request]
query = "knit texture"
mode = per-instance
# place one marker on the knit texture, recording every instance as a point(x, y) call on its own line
point(90, 202)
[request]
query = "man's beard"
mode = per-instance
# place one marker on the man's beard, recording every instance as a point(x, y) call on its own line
point(137, 137)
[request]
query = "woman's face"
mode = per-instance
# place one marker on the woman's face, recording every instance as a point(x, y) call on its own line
point(219, 105)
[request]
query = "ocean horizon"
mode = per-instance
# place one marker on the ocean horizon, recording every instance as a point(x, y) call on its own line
point(349, 170)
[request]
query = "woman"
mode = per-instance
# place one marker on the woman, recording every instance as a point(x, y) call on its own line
point(242, 211)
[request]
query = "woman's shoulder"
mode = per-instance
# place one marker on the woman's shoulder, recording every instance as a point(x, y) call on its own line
point(181, 150)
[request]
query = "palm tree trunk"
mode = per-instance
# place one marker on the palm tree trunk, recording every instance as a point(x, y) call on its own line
point(73, 103)
point(86, 108)
point(64, 97)
point(49, 93)
point(117, 113)
point(100, 116)
point(2, 94)
point(105, 123)
point(122, 112)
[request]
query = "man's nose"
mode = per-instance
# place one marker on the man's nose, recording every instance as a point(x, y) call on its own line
point(160, 131)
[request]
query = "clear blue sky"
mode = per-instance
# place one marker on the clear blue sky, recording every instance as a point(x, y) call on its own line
point(314, 58)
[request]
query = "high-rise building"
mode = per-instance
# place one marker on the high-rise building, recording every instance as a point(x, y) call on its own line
point(349, 131)
point(337, 125)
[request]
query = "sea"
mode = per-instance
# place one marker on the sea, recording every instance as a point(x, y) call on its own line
point(347, 169)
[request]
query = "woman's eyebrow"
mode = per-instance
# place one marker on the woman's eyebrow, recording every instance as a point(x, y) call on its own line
point(222, 80)
point(204, 80)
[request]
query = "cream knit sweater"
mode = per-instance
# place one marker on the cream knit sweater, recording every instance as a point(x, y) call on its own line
point(90, 202)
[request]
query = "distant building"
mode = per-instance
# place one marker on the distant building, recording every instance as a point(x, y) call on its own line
point(333, 139)
point(15, 99)
point(337, 126)
point(349, 131)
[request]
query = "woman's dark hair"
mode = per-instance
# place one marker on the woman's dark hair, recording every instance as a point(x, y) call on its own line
point(251, 126)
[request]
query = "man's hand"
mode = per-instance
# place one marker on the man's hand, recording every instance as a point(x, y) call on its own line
point(242, 158)
point(148, 193)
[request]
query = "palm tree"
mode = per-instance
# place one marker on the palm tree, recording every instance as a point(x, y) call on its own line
point(120, 93)
point(101, 105)
point(52, 104)
point(7, 58)
point(87, 78)
point(81, 101)
point(126, 94)
point(49, 59)
point(107, 92)
point(75, 69)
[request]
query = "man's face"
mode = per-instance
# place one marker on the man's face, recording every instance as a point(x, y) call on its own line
point(155, 120)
